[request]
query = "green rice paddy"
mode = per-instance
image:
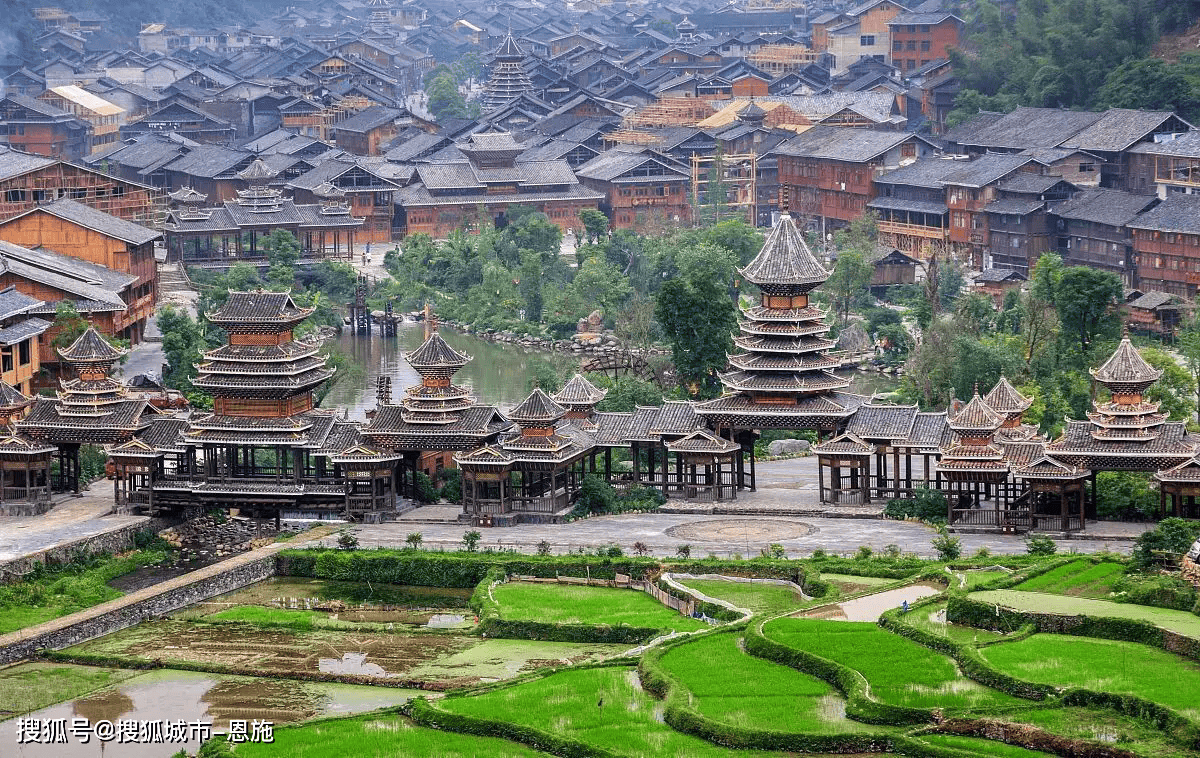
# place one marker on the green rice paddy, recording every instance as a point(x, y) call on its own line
point(1077, 579)
point(576, 604)
point(604, 707)
point(728, 685)
point(900, 671)
point(1124, 732)
point(758, 598)
point(1180, 622)
point(981, 746)
point(931, 618)
point(29, 686)
point(1106, 665)
point(379, 737)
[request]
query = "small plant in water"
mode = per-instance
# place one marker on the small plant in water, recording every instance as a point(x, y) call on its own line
point(640, 548)
point(777, 551)
point(414, 540)
point(471, 540)
point(543, 548)
point(684, 551)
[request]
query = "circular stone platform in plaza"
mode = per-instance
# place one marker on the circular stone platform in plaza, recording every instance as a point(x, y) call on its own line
point(723, 530)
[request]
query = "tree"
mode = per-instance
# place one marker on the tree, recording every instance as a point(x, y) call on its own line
point(183, 344)
point(69, 324)
point(1148, 84)
point(1086, 300)
point(414, 540)
point(445, 100)
point(471, 540)
point(595, 224)
point(626, 394)
point(283, 251)
point(1189, 347)
point(698, 317)
point(849, 281)
point(601, 285)
point(1175, 389)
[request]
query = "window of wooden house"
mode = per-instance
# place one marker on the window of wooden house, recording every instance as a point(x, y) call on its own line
point(6, 358)
point(23, 352)
point(15, 196)
point(867, 40)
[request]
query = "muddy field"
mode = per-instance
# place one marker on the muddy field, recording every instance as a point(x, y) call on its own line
point(431, 657)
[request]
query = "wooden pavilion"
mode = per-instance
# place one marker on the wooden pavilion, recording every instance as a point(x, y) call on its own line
point(24, 462)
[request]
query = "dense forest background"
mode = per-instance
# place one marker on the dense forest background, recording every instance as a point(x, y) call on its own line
point(1079, 54)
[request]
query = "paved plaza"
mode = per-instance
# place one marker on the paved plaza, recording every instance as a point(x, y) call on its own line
point(72, 518)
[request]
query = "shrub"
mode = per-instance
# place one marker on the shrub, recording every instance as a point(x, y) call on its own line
point(414, 540)
point(1041, 546)
point(543, 548)
point(982, 552)
point(426, 492)
point(864, 553)
point(684, 551)
point(1125, 495)
point(1171, 538)
point(471, 540)
point(614, 551)
point(948, 548)
point(451, 480)
point(776, 551)
point(347, 541)
point(926, 504)
point(892, 551)
point(1160, 591)
point(640, 548)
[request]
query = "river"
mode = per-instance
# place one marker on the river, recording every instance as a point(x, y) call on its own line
point(499, 373)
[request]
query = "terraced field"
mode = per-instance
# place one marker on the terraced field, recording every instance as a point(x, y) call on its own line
point(575, 604)
point(1181, 622)
point(1077, 579)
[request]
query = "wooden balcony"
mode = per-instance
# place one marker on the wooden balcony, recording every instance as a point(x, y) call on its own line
point(913, 230)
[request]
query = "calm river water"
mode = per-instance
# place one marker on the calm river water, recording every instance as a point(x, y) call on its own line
point(499, 373)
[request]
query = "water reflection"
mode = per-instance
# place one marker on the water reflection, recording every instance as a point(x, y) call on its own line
point(354, 664)
point(499, 373)
point(190, 696)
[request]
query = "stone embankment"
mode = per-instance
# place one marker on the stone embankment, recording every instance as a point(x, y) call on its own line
point(151, 602)
point(114, 541)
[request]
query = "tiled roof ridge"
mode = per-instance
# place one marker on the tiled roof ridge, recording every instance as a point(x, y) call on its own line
point(785, 259)
point(1126, 365)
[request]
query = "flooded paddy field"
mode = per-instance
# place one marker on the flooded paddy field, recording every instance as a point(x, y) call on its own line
point(187, 696)
point(439, 658)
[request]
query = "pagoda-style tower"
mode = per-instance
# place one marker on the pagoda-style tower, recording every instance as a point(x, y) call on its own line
point(24, 462)
point(436, 400)
point(508, 78)
point(529, 475)
point(92, 408)
point(975, 468)
point(783, 378)
point(258, 197)
point(1127, 432)
point(1010, 405)
point(580, 397)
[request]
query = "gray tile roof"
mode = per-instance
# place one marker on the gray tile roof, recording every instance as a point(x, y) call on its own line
point(13, 302)
point(1104, 206)
point(903, 204)
point(1028, 183)
point(1186, 145)
point(14, 163)
point(23, 330)
point(1032, 127)
point(368, 119)
point(842, 143)
point(1117, 129)
point(886, 422)
point(926, 172)
point(87, 281)
point(785, 259)
point(90, 218)
point(1178, 213)
point(1014, 206)
point(611, 164)
point(985, 170)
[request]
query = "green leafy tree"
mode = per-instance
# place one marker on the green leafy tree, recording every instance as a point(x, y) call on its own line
point(848, 282)
point(1086, 300)
point(445, 99)
point(183, 344)
point(283, 252)
point(1175, 389)
point(626, 393)
point(698, 317)
point(601, 285)
point(595, 224)
point(68, 323)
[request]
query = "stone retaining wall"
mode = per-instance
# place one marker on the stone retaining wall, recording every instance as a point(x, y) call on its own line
point(122, 613)
point(114, 541)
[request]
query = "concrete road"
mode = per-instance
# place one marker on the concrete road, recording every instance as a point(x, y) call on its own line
point(71, 518)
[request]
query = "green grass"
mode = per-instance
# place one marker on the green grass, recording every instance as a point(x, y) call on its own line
point(758, 598)
point(1105, 726)
point(256, 614)
point(571, 604)
point(379, 737)
point(1106, 665)
point(978, 746)
point(1180, 622)
point(30, 686)
point(976, 578)
point(1077, 579)
point(900, 671)
point(848, 584)
point(730, 686)
point(922, 618)
point(568, 704)
point(67, 589)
